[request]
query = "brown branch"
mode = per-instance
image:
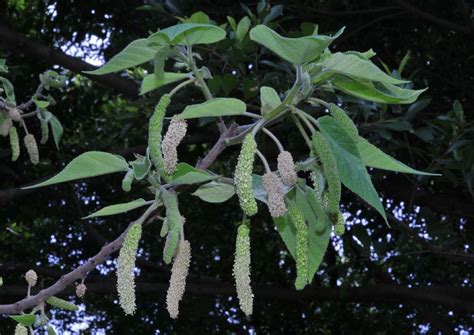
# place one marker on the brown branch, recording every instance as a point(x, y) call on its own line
point(105, 252)
point(15, 42)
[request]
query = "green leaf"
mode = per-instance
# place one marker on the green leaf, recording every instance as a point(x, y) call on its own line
point(136, 53)
point(295, 50)
point(88, 164)
point(26, 320)
point(269, 99)
point(150, 82)
point(118, 208)
point(3, 66)
point(186, 174)
point(378, 92)
point(242, 28)
point(189, 34)
point(51, 331)
point(57, 129)
point(141, 166)
point(355, 67)
point(374, 157)
point(318, 242)
point(62, 304)
point(215, 192)
point(351, 169)
point(41, 104)
point(214, 107)
point(9, 90)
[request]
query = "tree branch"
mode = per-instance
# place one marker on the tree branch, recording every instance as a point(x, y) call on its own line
point(106, 251)
point(468, 29)
point(14, 41)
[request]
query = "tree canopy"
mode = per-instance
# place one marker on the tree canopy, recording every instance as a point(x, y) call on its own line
point(409, 273)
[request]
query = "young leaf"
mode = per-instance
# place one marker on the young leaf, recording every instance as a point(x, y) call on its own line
point(9, 90)
point(89, 164)
point(215, 192)
point(118, 208)
point(242, 28)
point(356, 67)
point(62, 304)
point(57, 129)
point(150, 82)
point(295, 50)
point(186, 174)
point(351, 169)
point(24, 319)
point(214, 107)
point(269, 99)
point(374, 157)
point(188, 34)
point(136, 53)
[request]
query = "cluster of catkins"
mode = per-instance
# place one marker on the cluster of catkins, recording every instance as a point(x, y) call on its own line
point(163, 153)
point(7, 128)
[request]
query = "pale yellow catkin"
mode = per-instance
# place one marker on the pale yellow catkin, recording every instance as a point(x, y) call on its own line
point(241, 268)
point(286, 168)
point(21, 330)
point(173, 137)
point(32, 148)
point(275, 194)
point(31, 277)
point(125, 267)
point(179, 272)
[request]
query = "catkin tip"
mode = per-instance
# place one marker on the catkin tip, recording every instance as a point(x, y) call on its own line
point(286, 168)
point(31, 277)
point(275, 194)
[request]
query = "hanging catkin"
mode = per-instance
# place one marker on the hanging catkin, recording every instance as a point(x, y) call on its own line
point(276, 195)
point(179, 272)
point(14, 143)
point(155, 126)
point(14, 114)
point(243, 176)
point(125, 267)
point(21, 330)
point(31, 148)
point(298, 221)
point(173, 137)
point(81, 290)
point(44, 131)
point(174, 221)
point(321, 147)
point(286, 168)
point(5, 127)
point(344, 120)
point(242, 268)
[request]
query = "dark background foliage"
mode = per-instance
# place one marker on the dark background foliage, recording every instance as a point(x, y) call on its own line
point(427, 248)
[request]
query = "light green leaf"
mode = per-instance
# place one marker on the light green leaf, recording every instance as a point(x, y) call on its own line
point(118, 208)
point(9, 90)
point(318, 242)
point(136, 53)
point(214, 107)
point(215, 192)
point(188, 34)
point(3, 66)
point(141, 166)
point(150, 82)
point(295, 50)
point(26, 320)
point(89, 164)
point(356, 67)
point(186, 174)
point(374, 157)
point(269, 99)
point(378, 92)
point(351, 169)
point(41, 104)
point(242, 28)
point(57, 129)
